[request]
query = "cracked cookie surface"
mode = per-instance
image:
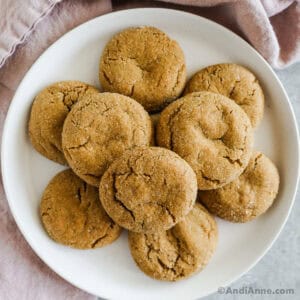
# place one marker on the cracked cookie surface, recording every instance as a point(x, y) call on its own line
point(248, 196)
point(145, 64)
point(211, 132)
point(72, 214)
point(179, 252)
point(99, 129)
point(48, 113)
point(235, 82)
point(148, 189)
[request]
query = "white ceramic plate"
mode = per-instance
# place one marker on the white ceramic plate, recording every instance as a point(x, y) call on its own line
point(110, 272)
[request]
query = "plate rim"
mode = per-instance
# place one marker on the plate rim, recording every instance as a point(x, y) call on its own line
point(220, 27)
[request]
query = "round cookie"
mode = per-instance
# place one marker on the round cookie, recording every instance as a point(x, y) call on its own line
point(148, 189)
point(248, 196)
point(234, 82)
point(211, 132)
point(145, 64)
point(72, 214)
point(179, 252)
point(99, 129)
point(48, 113)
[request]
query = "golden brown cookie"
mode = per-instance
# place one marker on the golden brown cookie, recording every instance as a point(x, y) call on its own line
point(99, 129)
point(248, 196)
point(211, 132)
point(235, 82)
point(72, 214)
point(148, 189)
point(48, 113)
point(145, 64)
point(179, 252)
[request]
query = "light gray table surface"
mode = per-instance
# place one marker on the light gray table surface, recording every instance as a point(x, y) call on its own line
point(280, 267)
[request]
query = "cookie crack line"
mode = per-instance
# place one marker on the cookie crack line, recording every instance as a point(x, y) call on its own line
point(103, 236)
point(249, 94)
point(91, 175)
point(46, 213)
point(115, 191)
point(218, 181)
point(79, 91)
point(107, 77)
point(54, 147)
point(80, 145)
point(256, 161)
point(78, 194)
point(168, 211)
point(177, 247)
point(244, 141)
point(93, 245)
point(233, 161)
point(164, 266)
point(170, 125)
point(148, 177)
point(64, 101)
point(158, 252)
point(161, 205)
point(177, 77)
point(233, 88)
point(132, 90)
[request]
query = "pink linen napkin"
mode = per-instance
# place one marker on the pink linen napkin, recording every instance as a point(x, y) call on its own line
point(28, 27)
point(17, 20)
point(23, 276)
point(271, 26)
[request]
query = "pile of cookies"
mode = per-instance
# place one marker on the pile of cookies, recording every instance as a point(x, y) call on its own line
point(148, 173)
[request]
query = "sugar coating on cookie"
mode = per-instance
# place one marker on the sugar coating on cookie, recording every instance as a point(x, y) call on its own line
point(148, 189)
point(99, 129)
point(211, 132)
point(72, 214)
point(145, 64)
point(179, 252)
point(248, 196)
point(235, 82)
point(49, 110)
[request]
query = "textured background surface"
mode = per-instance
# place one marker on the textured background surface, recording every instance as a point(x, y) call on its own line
point(280, 267)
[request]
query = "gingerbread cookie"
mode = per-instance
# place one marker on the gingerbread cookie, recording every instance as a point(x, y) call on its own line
point(248, 196)
point(145, 64)
point(235, 82)
point(99, 129)
point(48, 113)
point(179, 252)
point(211, 132)
point(148, 189)
point(72, 214)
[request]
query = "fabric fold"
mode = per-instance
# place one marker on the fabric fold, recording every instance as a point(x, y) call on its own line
point(17, 21)
point(261, 22)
